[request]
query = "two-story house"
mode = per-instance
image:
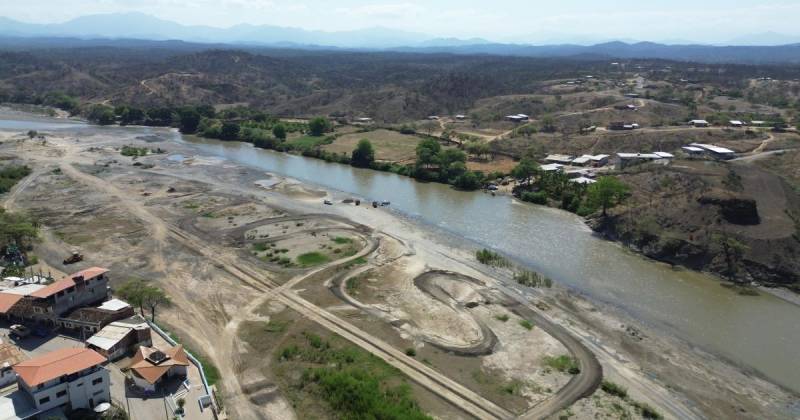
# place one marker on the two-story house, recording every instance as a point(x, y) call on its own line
point(70, 378)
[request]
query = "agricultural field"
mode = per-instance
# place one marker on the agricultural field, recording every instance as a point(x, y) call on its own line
point(389, 145)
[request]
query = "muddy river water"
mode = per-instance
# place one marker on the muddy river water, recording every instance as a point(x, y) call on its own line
point(760, 332)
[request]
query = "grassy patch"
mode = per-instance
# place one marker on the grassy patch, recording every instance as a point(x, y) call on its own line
point(260, 247)
point(563, 363)
point(357, 261)
point(306, 143)
point(488, 257)
point(311, 259)
point(524, 323)
point(134, 151)
point(10, 175)
point(502, 318)
point(351, 383)
point(341, 240)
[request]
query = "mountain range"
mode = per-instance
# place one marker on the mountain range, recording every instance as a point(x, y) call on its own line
point(138, 26)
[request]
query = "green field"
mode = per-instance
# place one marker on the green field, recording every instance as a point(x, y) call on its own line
point(389, 145)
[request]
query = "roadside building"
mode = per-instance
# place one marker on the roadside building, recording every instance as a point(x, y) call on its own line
point(699, 123)
point(121, 338)
point(433, 117)
point(88, 321)
point(583, 180)
point(736, 123)
point(621, 125)
point(561, 159)
point(364, 120)
point(517, 118)
point(70, 378)
point(151, 367)
point(758, 123)
point(553, 167)
point(461, 117)
point(625, 160)
point(591, 160)
point(716, 152)
point(10, 355)
point(693, 151)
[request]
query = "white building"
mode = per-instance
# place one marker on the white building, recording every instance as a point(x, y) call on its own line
point(693, 151)
point(562, 159)
point(119, 338)
point(553, 167)
point(627, 159)
point(70, 378)
point(736, 123)
point(716, 152)
point(699, 123)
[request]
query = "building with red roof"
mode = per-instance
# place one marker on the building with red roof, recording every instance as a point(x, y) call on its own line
point(152, 367)
point(72, 378)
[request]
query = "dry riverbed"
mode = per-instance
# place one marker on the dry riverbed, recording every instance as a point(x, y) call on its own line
point(187, 224)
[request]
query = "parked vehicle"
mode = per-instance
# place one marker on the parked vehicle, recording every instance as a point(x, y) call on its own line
point(74, 258)
point(328, 202)
point(375, 204)
point(20, 331)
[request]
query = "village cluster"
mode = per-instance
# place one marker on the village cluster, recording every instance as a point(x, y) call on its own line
point(583, 169)
point(68, 345)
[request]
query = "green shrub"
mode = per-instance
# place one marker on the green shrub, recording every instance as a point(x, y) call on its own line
point(524, 323)
point(614, 389)
point(563, 363)
point(411, 352)
point(311, 259)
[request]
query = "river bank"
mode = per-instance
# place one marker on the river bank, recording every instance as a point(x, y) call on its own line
point(676, 363)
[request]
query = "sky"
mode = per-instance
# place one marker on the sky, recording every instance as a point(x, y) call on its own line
point(498, 20)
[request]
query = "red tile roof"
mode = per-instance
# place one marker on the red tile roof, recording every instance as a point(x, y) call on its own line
point(68, 282)
point(151, 372)
point(56, 364)
point(7, 300)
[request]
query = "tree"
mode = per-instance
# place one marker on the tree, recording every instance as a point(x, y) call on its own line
point(525, 170)
point(133, 292)
point(548, 124)
point(230, 131)
point(152, 298)
point(428, 152)
point(606, 193)
point(181, 403)
point(279, 131)
point(364, 154)
point(32, 134)
point(732, 251)
point(468, 181)
point(130, 116)
point(190, 120)
point(319, 126)
point(102, 114)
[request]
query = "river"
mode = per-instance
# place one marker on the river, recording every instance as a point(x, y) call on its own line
point(761, 332)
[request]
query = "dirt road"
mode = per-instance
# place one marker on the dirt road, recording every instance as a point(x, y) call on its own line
point(446, 388)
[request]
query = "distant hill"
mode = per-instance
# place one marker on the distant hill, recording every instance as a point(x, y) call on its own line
point(130, 27)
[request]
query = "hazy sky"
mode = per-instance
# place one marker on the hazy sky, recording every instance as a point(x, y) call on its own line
point(657, 20)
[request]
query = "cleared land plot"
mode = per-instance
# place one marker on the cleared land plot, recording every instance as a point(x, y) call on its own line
point(389, 145)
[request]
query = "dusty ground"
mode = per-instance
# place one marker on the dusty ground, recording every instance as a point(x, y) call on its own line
point(169, 223)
